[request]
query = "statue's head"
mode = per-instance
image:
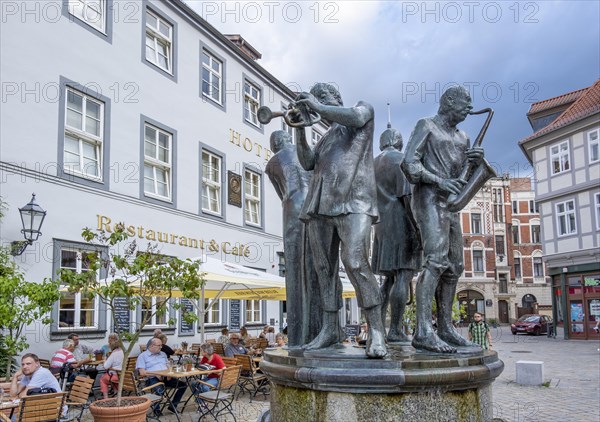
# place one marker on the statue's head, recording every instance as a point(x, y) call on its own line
point(327, 94)
point(455, 102)
point(390, 138)
point(279, 139)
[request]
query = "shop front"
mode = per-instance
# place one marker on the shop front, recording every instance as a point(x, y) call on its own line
point(576, 302)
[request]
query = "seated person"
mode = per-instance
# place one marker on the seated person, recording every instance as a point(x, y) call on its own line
point(65, 355)
point(224, 338)
point(280, 340)
point(155, 360)
point(244, 336)
point(270, 336)
point(82, 353)
point(209, 357)
point(32, 375)
point(157, 332)
point(364, 334)
point(165, 349)
point(235, 348)
point(264, 332)
point(112, 364)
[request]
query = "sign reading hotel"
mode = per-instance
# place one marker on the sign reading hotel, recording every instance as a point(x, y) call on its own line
point(105, 223)
point(249, 145)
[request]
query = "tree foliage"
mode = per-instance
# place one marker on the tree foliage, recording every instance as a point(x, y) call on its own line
point(134, 276)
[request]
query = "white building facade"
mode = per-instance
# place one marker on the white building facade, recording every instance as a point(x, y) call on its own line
point(565, 154)
point(138, 113)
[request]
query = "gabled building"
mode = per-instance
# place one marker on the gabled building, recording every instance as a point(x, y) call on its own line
point(504, 276)
point(564, 151)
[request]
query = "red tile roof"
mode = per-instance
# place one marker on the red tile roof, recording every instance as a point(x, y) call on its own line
point(587, 103)
point(555, 101)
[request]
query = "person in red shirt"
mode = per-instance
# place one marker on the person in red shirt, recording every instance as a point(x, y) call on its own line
point(65, 355)
point(209, 357)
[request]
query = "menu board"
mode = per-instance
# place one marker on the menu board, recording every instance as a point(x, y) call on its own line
point(122, 315)
point(186, 328)
point(352, 330)
point(234, 315)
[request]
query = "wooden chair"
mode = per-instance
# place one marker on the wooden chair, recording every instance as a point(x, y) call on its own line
point(219, 348)
point(229, 361)
point(262, 343)
point(251, 380)
point(131, 361)
point(251, 342)
point(45, 363)
point(41, 407)
point(211, 340)
point(79, 395)
point(220, 400)
point(143, 347)
point(196, 346)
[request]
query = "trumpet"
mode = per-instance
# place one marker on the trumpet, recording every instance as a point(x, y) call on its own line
point(474, 177)
point(307, 116)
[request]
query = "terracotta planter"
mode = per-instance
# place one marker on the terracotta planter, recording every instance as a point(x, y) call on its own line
point(99, 356)
point(132, 409)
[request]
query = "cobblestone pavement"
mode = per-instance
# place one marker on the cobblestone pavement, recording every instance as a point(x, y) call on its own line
point(571, 392)
point(571, 372)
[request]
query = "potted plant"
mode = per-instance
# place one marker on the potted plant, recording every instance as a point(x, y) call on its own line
point(493, 322)
point(187, 363)
point(99, 354)
point(133, 276)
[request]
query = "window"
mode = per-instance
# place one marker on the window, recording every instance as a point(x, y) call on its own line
point(84, 135)
point(213, 315)
point(92, 12)
point(159, 42)
point(252, 197)
point(76, 310)
point(478, 260)
point(500, 245)
point(559, 155)
point(251, 103)
point(253, 313)
point(533, 209)
point(211, 182)
point(597, 197)
point(535, 233)
point(593, 145)
point(157, 162)
point(212, 77)
point(475, 223)
point(515, 207)
point(565, 218)
point(150, 313)
point(538, 266)
point(498, 205)
point(516, 238)
point(517, 267)
point(315, 137)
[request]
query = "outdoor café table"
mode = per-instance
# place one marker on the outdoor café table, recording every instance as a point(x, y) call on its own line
point(9, 404)
point(185, 376)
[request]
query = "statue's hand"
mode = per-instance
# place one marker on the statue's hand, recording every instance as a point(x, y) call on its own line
point(308, 100)
point(475, 155)
point(451, 185)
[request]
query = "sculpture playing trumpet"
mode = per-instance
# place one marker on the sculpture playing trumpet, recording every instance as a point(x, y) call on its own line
point(474, 177)
point(296, 115)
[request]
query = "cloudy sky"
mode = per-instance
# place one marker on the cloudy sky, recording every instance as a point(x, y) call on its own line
point(509, 54)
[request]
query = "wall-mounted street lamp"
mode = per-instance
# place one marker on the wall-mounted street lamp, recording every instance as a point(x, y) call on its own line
point(32, 218)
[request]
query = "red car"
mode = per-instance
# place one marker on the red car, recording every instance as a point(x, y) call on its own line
point(532, 324)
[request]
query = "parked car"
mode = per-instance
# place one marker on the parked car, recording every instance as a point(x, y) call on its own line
point(532, 324)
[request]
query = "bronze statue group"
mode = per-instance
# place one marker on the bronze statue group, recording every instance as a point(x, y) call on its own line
point(333, 193)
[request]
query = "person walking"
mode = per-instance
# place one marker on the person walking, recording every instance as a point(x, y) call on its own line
point(479, 332)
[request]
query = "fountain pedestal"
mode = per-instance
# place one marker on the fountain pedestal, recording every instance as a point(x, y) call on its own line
point(341, 384)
